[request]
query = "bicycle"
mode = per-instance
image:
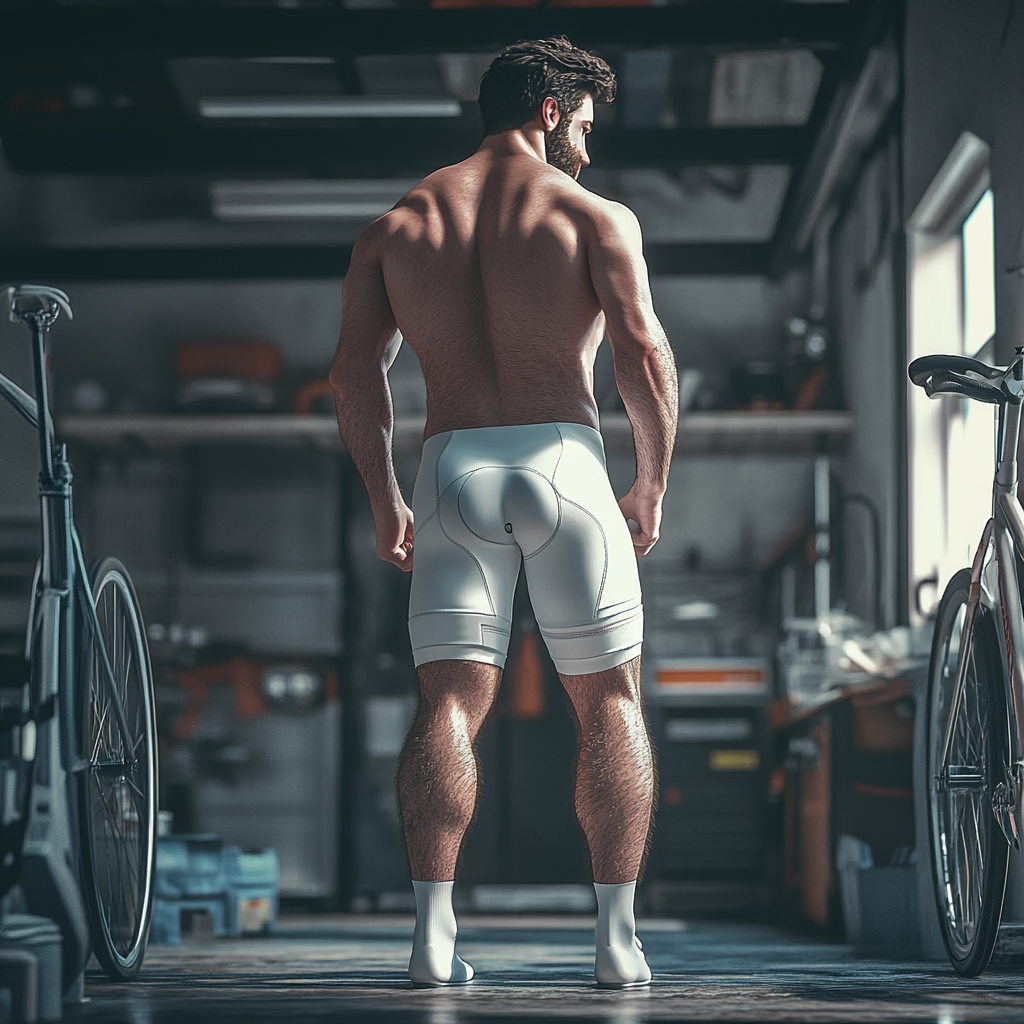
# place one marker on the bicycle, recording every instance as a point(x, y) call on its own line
point(78, 828)
point(976, 687)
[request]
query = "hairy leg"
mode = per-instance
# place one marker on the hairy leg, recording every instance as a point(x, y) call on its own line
point(438, 774)
point(615, 770)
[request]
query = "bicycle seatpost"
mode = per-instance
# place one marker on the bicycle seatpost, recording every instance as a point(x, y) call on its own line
point(37, 307)
point(42, 399)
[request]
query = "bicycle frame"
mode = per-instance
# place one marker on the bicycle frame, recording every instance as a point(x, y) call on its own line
point(62, 564)
point(995, 585)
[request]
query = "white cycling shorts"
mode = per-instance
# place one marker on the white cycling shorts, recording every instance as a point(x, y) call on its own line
point(488, 499)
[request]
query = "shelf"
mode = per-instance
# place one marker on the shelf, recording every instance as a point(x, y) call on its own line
point(162, 432)
point(759, 433)
point(705, 433)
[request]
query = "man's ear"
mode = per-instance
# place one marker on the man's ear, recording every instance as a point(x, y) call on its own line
point(549, 114)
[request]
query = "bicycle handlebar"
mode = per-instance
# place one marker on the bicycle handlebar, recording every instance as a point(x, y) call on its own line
point(947, 375)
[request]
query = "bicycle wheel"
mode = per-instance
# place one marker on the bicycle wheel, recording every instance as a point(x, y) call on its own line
point(118, 802)
point(968, 851)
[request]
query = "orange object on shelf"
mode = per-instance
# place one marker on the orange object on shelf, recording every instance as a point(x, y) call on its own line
point(248, 360)
point(711, 676)
point(528, 680)
point(307, 395)
point(245, 676)
point(807, 397)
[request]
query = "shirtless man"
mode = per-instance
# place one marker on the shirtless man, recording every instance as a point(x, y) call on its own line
point(503, 274)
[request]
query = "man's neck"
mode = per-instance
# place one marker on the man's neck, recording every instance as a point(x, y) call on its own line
point(525, 141)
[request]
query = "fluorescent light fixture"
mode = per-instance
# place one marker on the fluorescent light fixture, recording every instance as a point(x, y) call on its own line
point(231, 108)
point(289, 60)
point(306, 200)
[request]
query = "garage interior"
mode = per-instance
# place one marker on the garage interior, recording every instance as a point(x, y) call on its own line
point(827, 190)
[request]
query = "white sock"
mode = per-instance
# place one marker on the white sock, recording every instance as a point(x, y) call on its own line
point(433, 960)
point(620, 961)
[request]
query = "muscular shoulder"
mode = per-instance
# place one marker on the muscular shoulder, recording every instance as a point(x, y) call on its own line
point(417, 214)
point(405, 221)
point(597, 217)
point(610, 221)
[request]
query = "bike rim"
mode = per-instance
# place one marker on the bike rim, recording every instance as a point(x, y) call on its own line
point(121, 803)
point(961, 815)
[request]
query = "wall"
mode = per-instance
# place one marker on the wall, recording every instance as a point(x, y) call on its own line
point(865, 322)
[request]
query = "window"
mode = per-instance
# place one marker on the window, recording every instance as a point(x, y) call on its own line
point(951, 309)
point(979, 275)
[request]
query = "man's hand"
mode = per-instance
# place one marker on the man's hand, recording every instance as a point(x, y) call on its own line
point(394, 535)
point(642, 505)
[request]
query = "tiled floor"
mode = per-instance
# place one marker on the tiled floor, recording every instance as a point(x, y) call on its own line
point(353, 969)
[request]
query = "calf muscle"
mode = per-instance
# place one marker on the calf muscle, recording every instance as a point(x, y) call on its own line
point(438, 770)
point(615, 775)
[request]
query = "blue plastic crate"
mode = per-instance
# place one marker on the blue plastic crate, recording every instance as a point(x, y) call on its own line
point(166, 927)
point(190, 865)
point(197, 873)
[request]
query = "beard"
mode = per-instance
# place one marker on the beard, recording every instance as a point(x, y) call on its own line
point(560, 152)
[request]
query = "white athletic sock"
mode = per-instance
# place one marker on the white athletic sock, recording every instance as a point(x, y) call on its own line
point(620, 962)
point(433, 960)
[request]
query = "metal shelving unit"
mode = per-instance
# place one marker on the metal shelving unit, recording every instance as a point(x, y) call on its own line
point(705, 433)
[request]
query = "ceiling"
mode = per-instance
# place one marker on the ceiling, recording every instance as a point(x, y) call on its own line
point(143, 140)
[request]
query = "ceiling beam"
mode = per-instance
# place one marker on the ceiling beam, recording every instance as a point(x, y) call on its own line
point(211, 31)
point(310, 261)
point(708, 259)
point(367, 150)
point(838, 85)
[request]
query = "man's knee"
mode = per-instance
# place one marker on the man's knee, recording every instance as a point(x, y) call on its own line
point(606, 690)
point(468, 686)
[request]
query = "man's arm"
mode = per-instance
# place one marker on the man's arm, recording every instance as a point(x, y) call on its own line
point(645, 370)
point(368, 346)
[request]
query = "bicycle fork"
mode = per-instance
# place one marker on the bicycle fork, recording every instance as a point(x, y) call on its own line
point(1005, 794)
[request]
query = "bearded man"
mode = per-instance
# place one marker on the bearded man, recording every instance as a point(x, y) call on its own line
point(504, 275)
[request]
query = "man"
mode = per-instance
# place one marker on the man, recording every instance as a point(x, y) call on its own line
point(503, 274)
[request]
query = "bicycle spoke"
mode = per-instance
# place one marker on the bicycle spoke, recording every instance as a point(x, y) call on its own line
point(99, 733)
point(124, 862)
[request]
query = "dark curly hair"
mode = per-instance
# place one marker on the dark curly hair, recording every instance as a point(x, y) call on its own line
point(524, 74)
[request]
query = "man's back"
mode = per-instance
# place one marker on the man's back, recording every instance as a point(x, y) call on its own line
point(486, 270)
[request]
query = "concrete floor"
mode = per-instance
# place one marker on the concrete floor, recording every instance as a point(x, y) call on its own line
point(352, 968)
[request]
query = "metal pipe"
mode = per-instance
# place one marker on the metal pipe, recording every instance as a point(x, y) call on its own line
point(822, 539)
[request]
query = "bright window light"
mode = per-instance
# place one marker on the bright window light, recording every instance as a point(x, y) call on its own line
point(979, 275)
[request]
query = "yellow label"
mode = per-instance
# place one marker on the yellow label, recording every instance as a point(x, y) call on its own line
point(254, 914)
point(735, 760)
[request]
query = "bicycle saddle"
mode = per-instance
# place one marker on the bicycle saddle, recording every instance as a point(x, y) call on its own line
point(970, 378)
point(26, 299)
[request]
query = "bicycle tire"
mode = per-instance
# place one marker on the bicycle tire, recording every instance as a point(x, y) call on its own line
point(118, 813)
point(969, 853)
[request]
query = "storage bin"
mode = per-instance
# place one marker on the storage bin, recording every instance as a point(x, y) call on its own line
point(40, 937)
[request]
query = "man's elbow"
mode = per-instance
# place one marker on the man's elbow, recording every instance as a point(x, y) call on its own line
point(638, 348)
point(338, 380)
point(344, 385)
